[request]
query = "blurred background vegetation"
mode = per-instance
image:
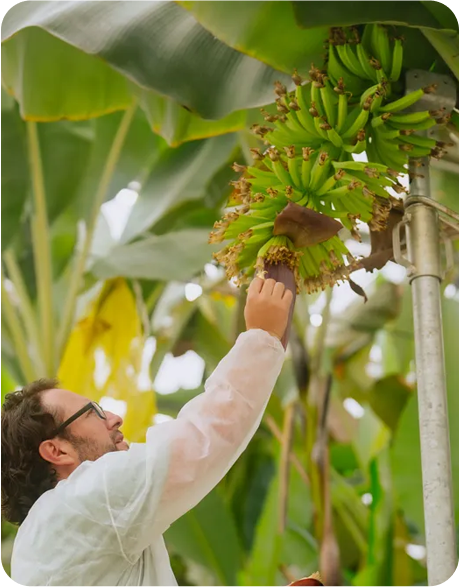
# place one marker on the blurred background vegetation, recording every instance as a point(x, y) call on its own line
point(119, 124)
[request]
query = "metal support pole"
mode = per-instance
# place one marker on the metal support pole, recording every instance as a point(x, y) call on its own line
point(425, 275)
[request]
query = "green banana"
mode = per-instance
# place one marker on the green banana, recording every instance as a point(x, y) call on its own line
point(316, 97)
point(379, 120)
point(281, 173)
point(377, 101)
point(366, 37)
point(330, 182)
point(358, 166)
point(358, 147)
point(319, 170)
point(334, 137)
point(418, 141)
point(390, 154)
point(303, 114)
point(417, 152)
point(411, 118)
point(318, 122)
point(344, 190)
point(327, 98)
point(293, 122)
point(389, 135)
point(381, 46)
point(357, 125)
point(307, 163)
point(369, 92)
point(293, 167)
point(374, 186)
point(425, 125)
point(404, 102)
point(259, 173)
point(337, 70)
point(350, 60)
point(364, 59)
point(397, 59)
point(342, 111)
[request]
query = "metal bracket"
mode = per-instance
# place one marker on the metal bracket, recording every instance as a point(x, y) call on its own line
point(440, 208)
point(397, 251)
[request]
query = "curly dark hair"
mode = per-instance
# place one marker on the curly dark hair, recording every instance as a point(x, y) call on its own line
point(25, 474)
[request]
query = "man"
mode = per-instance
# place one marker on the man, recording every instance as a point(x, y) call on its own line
point(92, 512)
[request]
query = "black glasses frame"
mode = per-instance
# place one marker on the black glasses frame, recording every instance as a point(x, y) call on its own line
point(89, 406)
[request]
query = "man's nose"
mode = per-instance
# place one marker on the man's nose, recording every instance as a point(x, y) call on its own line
point(113, 420)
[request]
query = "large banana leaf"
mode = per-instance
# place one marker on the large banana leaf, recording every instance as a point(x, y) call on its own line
point(172, 256)
point(59, 61)
point(177, 124)
point(290, 35)
point(106, 91)
point(73, 155)
point(415, 14)
point(265, 30)
point(180, 175)
point(14, 172)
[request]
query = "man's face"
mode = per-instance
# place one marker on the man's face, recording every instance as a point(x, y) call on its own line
point(90, 436)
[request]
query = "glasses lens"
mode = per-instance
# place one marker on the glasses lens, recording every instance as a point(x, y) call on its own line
point(99, 411)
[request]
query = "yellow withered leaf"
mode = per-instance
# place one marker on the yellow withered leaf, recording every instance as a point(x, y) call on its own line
point(113, 325)
point(117, 308)
point(76, 371)
point(139, 415)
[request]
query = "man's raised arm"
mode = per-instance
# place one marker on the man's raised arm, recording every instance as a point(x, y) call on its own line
point(184, 459)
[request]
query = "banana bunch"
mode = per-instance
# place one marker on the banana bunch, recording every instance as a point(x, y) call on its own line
point(347, 191)
point(389, 130)
point(347, 108)
point(316, 115)
point(372, 58)
point(392, 138)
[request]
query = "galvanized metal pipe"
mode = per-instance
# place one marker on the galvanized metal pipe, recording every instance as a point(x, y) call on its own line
point(425, 277)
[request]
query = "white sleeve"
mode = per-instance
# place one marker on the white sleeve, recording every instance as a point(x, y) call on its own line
point(148, 487)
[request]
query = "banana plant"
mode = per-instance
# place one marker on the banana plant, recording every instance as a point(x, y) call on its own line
point(57, 176)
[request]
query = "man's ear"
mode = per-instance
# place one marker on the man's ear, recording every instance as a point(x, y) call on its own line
point(56, 452)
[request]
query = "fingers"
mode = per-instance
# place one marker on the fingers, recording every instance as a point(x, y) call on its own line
point(288, 297)
point(255, 286)
point(269, 285)
point(278, 290)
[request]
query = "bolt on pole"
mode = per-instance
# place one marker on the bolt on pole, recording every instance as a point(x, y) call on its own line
point(425, 275)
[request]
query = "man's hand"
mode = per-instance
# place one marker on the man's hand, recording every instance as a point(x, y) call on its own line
point(267, 306)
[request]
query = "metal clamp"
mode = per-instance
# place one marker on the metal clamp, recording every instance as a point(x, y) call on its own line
point(397, 252)
point(439, 207)
point(396, 237)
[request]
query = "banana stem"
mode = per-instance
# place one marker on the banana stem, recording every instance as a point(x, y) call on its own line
point(26, 309)
point(42, 251)
point(17, 334)
point(104, 183)
point(283, 274)
point(313, 415)
point(284, 466)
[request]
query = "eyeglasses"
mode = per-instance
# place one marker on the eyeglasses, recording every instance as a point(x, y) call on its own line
point(90, 406)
